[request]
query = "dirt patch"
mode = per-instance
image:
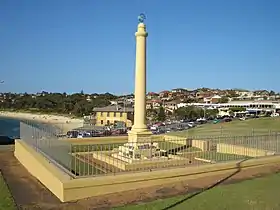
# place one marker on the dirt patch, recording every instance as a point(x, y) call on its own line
point(30, 194)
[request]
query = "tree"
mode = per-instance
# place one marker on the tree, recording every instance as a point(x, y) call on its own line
point(223, 99)
point(271, 93)
point(76, 104)
point(161, 115)
point(189, 112)
point(211, 113)
point(237, 109)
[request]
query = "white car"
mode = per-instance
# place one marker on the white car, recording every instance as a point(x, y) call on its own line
point(274, 115)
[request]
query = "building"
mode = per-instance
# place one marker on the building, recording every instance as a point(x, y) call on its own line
point(153, 104)
point(179, 90)
point(269, 106)
point(152, 95)
point(171, 105)
point(164, 94)
point(112, 114)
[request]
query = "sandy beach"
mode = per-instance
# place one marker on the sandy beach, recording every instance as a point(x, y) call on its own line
point(64, 123)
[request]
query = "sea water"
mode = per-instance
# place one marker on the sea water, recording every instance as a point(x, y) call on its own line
point(9, 127)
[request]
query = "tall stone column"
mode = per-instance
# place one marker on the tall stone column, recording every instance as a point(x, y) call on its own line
point(139, 131)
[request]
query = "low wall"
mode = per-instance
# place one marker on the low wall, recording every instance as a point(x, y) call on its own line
point(242, 150)
point(176, 139)
point(201, 144)
point(67, 189)
point(39, 166)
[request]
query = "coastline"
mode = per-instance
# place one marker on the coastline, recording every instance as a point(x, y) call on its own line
point(62, 122)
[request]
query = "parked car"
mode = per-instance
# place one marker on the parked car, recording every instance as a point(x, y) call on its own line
point(228, 119)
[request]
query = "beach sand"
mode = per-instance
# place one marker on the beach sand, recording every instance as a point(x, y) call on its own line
point(62, 122)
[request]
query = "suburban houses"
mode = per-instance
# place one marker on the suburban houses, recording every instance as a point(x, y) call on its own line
point(121, 109)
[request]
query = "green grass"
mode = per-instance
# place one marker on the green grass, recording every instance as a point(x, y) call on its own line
point(247, 127)
point(257, 194)
point(164, 145)
point(6, 200)
point(84, 169)
point(94, 147)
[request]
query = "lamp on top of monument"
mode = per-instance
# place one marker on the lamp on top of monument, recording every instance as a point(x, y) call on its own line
point(141, 18)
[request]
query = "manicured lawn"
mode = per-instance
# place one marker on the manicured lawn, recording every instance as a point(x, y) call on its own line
point(164, 145)
point(85, 169)
point(6, 200)
point(247, 127)
point(257, 194)
point(82, 168)
point(94, 147)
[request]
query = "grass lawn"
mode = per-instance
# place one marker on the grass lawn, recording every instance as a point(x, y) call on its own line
point(86, 169)
point(257, 194)
point(107, 147)
point(6, 200)
point(247, 127)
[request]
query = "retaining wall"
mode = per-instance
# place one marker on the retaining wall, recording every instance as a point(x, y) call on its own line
point(69, 189)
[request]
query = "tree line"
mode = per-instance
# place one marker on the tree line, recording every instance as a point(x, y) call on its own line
point(77, 104)
point(182, 113)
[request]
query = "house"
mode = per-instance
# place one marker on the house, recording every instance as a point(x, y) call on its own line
point(215, 99)
point(163, 94)
point(179, 90)
point(171, 105)
point(152, 95)
point(112, 114)
point(153, 104)
point(203, 94)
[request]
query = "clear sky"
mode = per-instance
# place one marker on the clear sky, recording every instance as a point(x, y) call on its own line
point(89, 45)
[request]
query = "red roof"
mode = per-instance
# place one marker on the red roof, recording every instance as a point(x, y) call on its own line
point(152, 93)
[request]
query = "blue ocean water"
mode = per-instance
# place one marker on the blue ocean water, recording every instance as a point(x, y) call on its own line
point(9, 127)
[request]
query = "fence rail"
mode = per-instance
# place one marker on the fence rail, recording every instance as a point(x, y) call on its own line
point(83, 160)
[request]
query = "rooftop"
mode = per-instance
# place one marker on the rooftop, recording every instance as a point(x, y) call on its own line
point(113, 108)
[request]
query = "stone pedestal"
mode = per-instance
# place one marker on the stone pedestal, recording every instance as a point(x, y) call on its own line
point(135, 137)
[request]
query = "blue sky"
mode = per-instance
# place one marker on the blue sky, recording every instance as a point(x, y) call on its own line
point(71, 45)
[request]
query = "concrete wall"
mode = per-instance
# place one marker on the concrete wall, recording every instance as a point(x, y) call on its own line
point(242, 150)
point(204, 145)
point(39, 167)
point(175, 139)
point(201, 144)
point(67, 189)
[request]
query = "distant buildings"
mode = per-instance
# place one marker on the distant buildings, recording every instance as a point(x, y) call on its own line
point(112, 114)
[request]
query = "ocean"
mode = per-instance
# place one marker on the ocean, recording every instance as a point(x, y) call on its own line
point(9, 129)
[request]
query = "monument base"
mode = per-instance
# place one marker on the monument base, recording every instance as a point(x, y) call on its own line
point(135, 136)
point(139, 153)
point(123, 163)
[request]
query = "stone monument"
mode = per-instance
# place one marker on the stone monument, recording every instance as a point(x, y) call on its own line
point(139, 144)
point(140, 151)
